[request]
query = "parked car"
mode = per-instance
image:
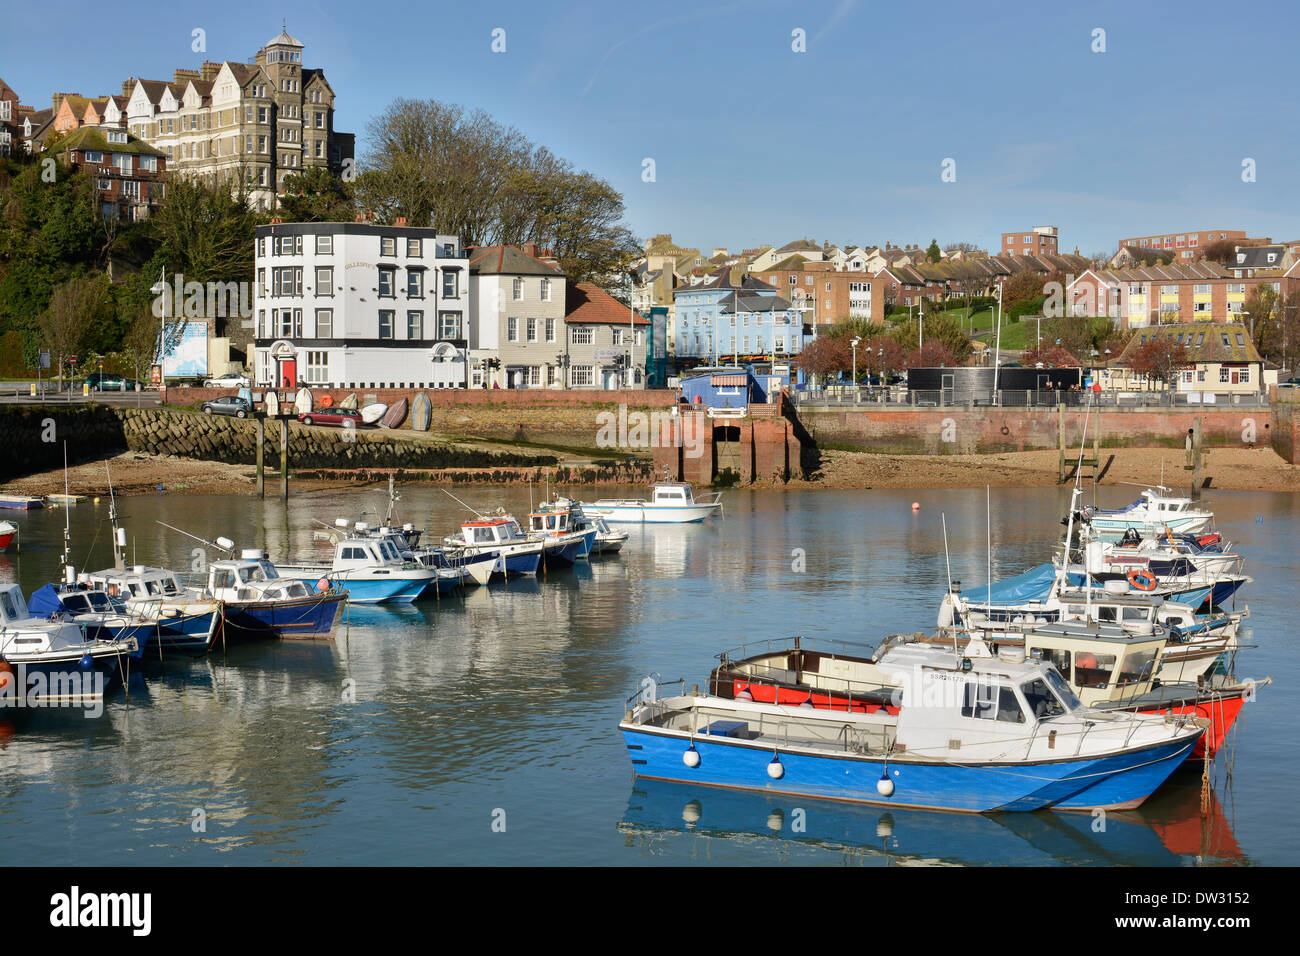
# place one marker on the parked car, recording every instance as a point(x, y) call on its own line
point(106, 382)
point(227, 381)
point(332, 416)
point(228, 405)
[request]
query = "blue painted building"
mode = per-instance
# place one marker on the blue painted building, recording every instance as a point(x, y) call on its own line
point(738, 316)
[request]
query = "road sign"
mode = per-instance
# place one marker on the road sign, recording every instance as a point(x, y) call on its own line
point(44, 360)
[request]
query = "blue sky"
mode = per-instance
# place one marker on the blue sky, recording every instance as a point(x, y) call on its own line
point(755, 143)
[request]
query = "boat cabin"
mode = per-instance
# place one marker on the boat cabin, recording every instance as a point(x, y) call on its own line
point(138, 583)
point(673, 493)
point(13, 607)
point(553, 521)
point(355, 553)
point(489, 531)
point(251, 577)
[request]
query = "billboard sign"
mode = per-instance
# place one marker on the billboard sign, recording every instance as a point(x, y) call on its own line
point(188, 356)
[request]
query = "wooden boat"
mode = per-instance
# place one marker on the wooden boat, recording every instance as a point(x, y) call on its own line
point(8, 531)
point(20, 502)
point(371, 414)
point(272, 403)
point(972, 734)
point(350, 401)
point(65, 500)
point(302, 403)
point(421, 412)
point(395, 415)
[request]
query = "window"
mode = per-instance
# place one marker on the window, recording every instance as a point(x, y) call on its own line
point(1093, 670)
point(550, 330)
point(1241, 342)
point(261, 114)
point(1223, 376)
point(512, 329)
point(415, 325)
point(580, 375)
point(415, 283)
point(413, 248)
point(517, 290)
point(264, 330)
point(325, 281)
point(324, 245)
point(318, 367)
point(1042, 702)
point(991, 702)
point(532, 330)
point(387, 246)
point(449, 325)
point(324, 323)
point(386, 323)
point(546, 292)
point(387, 280)
point(290, 323)
point(450, 283)
point(286, 281)
point(320, 120)
point(582, 336)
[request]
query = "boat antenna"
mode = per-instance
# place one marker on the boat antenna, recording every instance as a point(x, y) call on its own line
point(462, 504)
point(212, 544)
point(118, 535)
point(988, 545)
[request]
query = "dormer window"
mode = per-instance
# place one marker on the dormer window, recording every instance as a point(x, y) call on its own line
point(116, 136)
point(1241, 257)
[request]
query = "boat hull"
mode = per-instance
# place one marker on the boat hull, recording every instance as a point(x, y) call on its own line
point(979, 787)
point(650, 514)
point(303, 619)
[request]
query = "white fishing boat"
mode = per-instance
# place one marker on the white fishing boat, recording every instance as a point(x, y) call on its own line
point(672, 502)
point(1153, 513)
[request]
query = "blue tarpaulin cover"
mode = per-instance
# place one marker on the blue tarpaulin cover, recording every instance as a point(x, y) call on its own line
point(45, 602)
point(1034, 585)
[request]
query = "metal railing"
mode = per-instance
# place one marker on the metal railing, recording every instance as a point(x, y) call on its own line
point(901, 397)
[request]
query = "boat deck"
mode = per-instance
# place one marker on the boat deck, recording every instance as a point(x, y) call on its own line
point(784, 728)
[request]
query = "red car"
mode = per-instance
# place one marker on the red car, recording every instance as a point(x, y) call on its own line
point(345, 417)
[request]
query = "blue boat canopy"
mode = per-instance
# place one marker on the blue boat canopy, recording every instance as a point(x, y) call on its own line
point(1034, 585)
point(45, 602)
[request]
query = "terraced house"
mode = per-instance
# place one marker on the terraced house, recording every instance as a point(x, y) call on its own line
point(517, 297)
point(256, 122)
point(1162, 295)
point(735, 314)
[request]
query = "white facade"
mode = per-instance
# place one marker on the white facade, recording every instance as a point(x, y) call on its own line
point(353, 305)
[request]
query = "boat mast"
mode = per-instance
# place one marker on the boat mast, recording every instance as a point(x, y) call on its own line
point(69, 575)
point(118, 534)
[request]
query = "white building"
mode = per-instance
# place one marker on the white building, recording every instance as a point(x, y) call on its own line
point(354, 305)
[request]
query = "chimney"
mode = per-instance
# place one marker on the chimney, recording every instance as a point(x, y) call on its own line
point(530, 249)
point(128, 85)
point(184, 76)
point(401, 221)
point(210, 70)
point(57, 99)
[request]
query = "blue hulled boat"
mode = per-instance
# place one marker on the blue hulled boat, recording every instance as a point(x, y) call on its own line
point(259, 603)
point(977, 735)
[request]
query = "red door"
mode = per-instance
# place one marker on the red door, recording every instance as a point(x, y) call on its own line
point(288, 373)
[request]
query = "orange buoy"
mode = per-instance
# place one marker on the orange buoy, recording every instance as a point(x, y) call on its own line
point(323, 584)
point(1086, 661)
point(327, 400)
point(1142, 580)
point(916, 506)
point(7, 679)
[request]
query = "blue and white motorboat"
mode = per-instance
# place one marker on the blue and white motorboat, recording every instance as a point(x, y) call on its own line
point(607, 540)
point(671, 502)
point(970, 734)
point(1153, 513)
point(556, 526)
point(498, 535)
point(371, 570)
point(100, 617)
point(258, 602)
point(52, 659)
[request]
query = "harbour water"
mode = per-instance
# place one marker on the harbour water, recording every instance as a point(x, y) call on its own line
point(483, 729)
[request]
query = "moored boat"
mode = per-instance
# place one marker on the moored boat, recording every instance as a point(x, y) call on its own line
point(671, 502)
point(260, 603)
point(371, 570)
point(976, 735)
point(21, 502)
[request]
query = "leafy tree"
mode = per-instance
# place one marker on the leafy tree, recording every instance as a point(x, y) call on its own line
point(1052, 356)
point(933, 252)
point(1221, 251)
point(931, 354)
point(74, 309)
point(465, 173)
point(939, 327)
point(1260, 312)
point(827, 355)
point(1024, 285)
point(1161, 358)
point(317, 195)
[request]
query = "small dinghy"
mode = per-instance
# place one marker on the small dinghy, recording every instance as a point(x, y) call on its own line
point(20, 502)
point(350, 401)
point(372, 413)
point(272, 404)
point(302, 404)
point(421, 412)
point(395, 415)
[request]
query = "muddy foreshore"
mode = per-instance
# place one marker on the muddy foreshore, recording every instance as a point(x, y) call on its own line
point(1243, 469)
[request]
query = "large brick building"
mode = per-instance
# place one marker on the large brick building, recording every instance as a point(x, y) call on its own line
point(1186, 246)
point(1039, 241)
point(258, 122)
point(128, 172)
point(824, 295)
point(1162, 295)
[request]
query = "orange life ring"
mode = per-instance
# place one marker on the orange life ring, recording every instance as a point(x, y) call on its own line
point(327, 400)
point(323, 584)
point(1142, 580)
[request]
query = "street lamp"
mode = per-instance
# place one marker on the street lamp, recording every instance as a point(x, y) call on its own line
point(854, 346)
